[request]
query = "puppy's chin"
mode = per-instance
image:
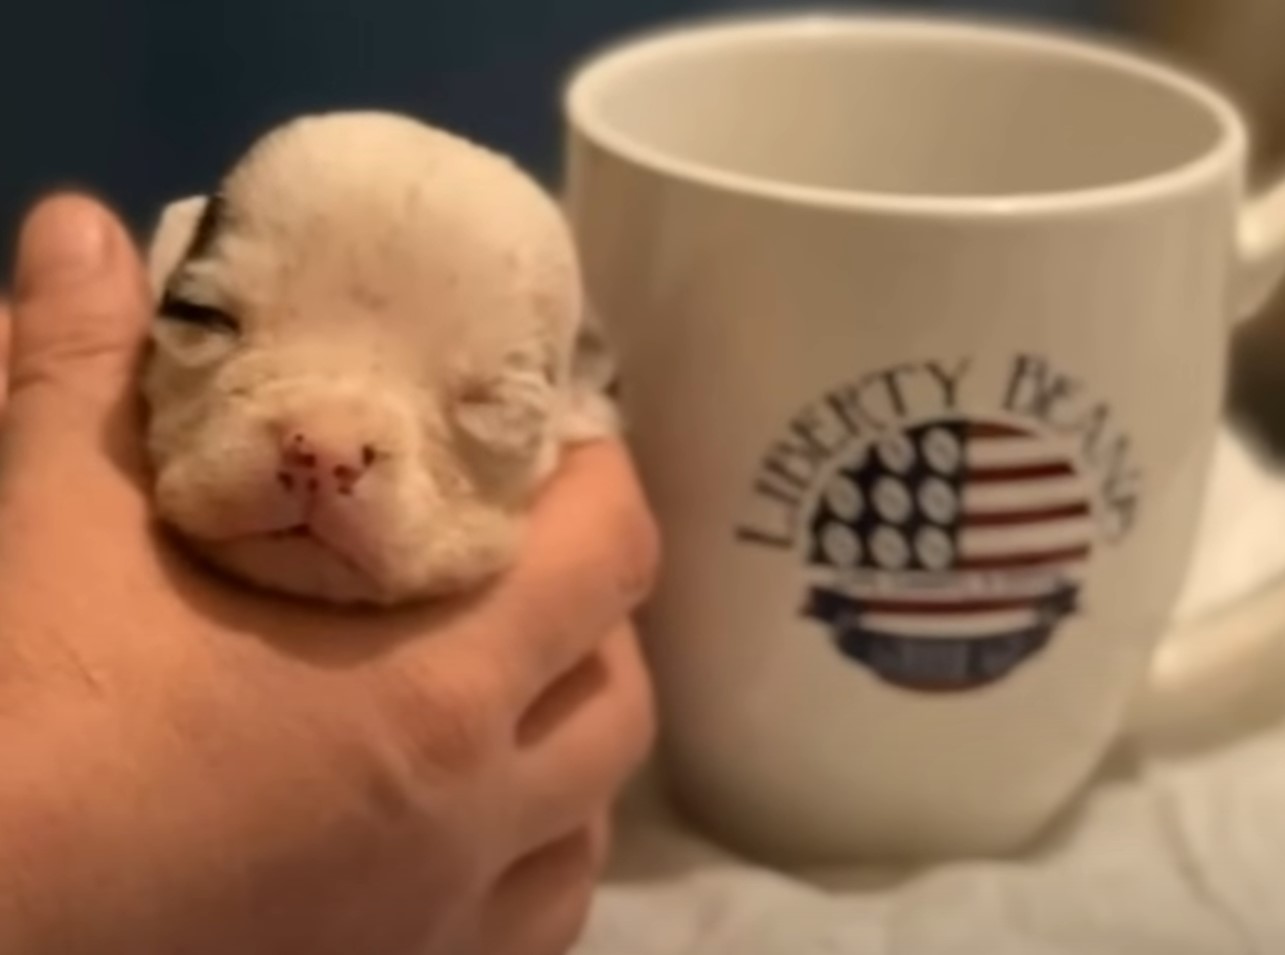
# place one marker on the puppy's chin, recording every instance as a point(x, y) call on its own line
point(303, 566)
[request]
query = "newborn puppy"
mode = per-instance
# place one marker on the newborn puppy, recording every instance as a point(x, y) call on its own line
point(369, 352)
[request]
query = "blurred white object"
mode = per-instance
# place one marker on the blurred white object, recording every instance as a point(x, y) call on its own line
point(1179, 849)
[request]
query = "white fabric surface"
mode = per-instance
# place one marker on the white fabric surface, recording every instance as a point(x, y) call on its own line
point(1180, 852)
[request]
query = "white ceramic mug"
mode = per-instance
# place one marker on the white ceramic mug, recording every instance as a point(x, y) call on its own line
point(923, 328)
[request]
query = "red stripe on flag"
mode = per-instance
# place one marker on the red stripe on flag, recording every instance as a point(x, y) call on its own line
point(1030, 559)
point(1020, 472)
point(962, 606)
point(1033, 516)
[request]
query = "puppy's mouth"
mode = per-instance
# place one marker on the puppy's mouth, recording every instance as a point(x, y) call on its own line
point(319, 540)
point(348, 553)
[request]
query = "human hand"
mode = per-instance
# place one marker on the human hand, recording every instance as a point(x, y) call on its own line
point(193, 768)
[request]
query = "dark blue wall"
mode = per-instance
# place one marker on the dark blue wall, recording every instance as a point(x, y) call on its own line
point(144, 100)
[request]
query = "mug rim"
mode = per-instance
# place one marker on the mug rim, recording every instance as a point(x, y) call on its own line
point(609, 64)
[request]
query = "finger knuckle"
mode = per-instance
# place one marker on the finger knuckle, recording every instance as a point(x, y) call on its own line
point(640, 724)
point(601, 840)
point(640, 552)
point(568, 919)
point(568, 928)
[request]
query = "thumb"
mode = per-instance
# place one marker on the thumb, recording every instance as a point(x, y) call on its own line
point(80, 316)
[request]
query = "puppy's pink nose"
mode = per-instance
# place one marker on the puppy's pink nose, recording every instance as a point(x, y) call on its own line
point(311, 464)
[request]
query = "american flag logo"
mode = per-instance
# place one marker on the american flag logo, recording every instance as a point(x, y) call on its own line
point(950, 552)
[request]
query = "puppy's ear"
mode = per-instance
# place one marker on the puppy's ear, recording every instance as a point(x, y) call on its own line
point(172, 239)
point(591, 411)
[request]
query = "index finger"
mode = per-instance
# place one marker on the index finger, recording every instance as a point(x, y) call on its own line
point(589, 559)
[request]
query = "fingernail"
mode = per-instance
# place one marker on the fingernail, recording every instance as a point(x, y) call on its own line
point(63, 242)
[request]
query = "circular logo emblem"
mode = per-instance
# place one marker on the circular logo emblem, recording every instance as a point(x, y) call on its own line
point(946, 553)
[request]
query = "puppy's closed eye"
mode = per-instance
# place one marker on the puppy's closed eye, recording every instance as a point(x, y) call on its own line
point(506, 414)
point(177, 308)
point(194, 334)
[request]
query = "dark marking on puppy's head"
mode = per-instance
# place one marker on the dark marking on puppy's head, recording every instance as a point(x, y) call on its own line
point(176, 304)
point(208, 228)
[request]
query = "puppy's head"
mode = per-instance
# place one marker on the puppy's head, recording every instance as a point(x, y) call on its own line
point(361, 348)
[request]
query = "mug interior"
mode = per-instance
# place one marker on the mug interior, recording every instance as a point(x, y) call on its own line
point(898, 108)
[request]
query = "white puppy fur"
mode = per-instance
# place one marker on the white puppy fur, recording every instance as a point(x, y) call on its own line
point(370, 350)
